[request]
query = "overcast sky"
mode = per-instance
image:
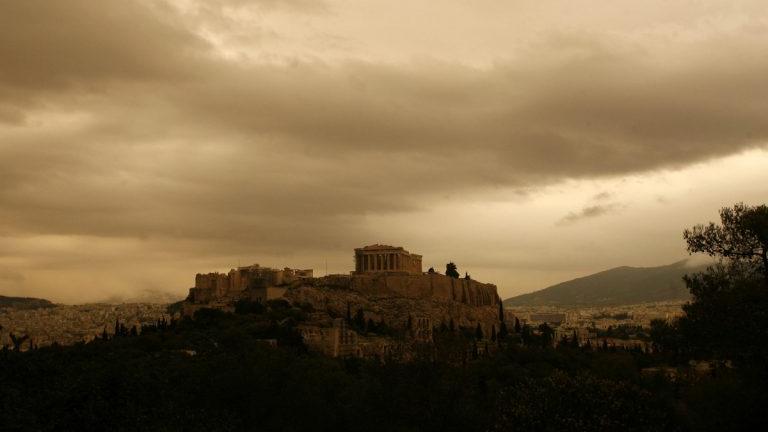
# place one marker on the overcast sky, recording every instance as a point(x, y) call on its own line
point(530, 142)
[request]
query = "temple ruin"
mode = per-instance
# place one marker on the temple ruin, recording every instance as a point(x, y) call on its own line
point(390, 259)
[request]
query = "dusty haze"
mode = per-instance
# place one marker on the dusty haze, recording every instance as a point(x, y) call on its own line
point(144, 141)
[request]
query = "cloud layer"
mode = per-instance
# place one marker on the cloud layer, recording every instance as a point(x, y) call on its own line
point(162, 120)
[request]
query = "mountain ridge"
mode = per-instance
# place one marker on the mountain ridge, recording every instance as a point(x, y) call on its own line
point(24, 302)
point(616, 286)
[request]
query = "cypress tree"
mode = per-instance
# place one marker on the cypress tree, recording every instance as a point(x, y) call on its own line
point(360, 319)
point(503, 332)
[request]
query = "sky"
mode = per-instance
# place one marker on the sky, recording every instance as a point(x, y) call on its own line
point(530, 142)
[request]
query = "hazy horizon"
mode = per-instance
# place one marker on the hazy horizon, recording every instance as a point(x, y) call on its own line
point(142, 142)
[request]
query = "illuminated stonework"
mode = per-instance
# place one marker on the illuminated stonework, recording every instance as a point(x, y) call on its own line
point(382, 258)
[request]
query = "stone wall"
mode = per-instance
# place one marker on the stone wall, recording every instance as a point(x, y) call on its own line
point(396, 297)
point(426, 286)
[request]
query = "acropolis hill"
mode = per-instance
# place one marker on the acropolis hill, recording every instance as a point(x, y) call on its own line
point(388, 284)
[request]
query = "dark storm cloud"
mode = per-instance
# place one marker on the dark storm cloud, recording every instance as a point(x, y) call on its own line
point(314, 139)
point(50, 45)
point(120, 119)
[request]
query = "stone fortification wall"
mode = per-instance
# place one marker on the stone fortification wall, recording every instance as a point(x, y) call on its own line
point(426, 286)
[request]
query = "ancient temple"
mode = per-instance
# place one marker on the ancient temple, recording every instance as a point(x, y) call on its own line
point(382, 258)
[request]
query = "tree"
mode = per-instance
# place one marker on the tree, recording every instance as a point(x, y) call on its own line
point(360, 319)
point(431, 270)
point(451, 270)
point(503, 332)
point(501, 311)
point(526, 335)
point(726, 318)
point(493, 333)
point(17, 341)
point(665, 337)
point(349, 314)
point(547, 334)
point(574, 340)
point(742, 236)
point(517, 325)
point(479, 332)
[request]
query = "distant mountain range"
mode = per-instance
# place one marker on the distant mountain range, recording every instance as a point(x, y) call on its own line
point(24, 303)
point(617, 286)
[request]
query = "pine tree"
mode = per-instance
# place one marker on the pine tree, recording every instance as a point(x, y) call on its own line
point(517, 326)
point(503, 332)
point(479, 332)
point(451, 270)
point(501, 311)
point(525, 334)
point(493, 333)
point(349, 314)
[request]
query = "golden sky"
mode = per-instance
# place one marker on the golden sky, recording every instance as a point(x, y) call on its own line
point(528, 141)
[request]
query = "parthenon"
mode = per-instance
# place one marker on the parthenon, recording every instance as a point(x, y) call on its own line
point(382, 258)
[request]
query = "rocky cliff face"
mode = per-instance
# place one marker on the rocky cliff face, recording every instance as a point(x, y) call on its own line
point(394, 298)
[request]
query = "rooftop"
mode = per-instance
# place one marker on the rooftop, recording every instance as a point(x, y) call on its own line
point(380, 247)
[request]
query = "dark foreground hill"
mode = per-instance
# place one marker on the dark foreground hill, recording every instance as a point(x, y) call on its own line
point(217, 373)
point(617, 286)
point(24, 303)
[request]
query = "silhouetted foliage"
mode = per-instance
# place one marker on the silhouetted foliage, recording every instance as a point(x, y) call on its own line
point(479, 332)
point(249, 307)
point(742, 236)
point(727, 317)
point(215, 372)
point(451, 270)
point(503, 332)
